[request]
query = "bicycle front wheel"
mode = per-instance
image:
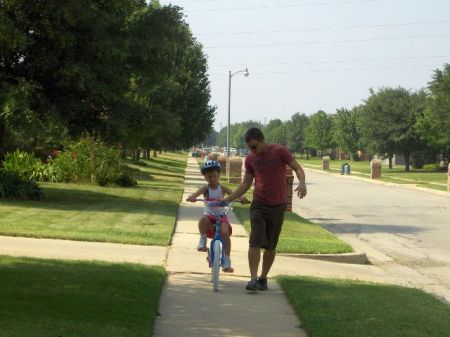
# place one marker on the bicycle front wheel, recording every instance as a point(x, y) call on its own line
point(217, 247)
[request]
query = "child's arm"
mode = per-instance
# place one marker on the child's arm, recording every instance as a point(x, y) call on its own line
point(193, 196)
point(228, 191)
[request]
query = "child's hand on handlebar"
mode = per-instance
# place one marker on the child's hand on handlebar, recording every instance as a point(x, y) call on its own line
point(191, 198)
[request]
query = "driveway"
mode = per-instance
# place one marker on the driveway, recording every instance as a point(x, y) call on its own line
point(403, 230)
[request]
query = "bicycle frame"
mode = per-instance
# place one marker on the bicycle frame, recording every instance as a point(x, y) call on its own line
point(213, 263)
point(217, 235)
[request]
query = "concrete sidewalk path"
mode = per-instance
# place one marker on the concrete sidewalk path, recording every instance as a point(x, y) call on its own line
point(82, 250)
point(189, 306)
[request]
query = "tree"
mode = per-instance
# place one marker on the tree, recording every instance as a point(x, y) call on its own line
point(296, 129)
point(318, 132)
point(71, 54)
point(387, 123)
point(275, 132)
point(434, 124)
point(345, 131)
point(128, 71)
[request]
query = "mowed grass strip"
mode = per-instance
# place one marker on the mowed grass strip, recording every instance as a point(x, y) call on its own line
point(299, 236)
point(142, 215)
point(344, 308)
point(73, 299)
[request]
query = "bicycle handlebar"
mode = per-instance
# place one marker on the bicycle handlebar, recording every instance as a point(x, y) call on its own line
point(209, 204)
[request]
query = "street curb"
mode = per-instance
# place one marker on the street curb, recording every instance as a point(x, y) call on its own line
point(350, 258)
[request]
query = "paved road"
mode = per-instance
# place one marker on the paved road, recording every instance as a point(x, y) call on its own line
point(405, 231)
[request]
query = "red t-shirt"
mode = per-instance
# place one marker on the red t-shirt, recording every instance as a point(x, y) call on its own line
point(269, 170)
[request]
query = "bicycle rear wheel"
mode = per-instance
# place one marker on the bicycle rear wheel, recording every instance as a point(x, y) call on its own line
point(217, 252)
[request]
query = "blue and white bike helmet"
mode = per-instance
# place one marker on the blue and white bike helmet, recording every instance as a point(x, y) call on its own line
point(210, 165)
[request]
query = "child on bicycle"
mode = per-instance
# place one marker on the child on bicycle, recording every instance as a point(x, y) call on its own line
point(213, 191)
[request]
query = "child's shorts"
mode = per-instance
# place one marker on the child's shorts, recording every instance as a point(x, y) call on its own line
point(210, 232)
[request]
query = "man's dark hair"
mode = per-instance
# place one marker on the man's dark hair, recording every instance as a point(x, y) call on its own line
point(253, 134)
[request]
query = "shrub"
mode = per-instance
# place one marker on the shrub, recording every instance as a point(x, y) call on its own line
point(45, 172)
point(28, 167)
point(90, 161)
point(21, 163)
point(125, 180)
point(431, 167)
point(13, 185)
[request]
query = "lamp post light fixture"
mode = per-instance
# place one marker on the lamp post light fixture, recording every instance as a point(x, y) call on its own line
point(230, 75)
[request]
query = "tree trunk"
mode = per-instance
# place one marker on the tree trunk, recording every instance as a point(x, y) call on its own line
point(2, 136)
point(137, 154)
point(407, 159)
point(145, 154)
point(154, 154)
point(390, 160)
point(123, 153)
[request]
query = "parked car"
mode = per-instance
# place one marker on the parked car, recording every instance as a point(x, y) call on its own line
point(243, 152)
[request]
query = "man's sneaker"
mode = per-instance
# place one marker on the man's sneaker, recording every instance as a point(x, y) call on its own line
point(261, 284)
point(201, 247)
point(252, 285)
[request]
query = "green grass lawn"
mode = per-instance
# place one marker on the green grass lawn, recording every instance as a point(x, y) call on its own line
point(73, 299)
point(434, 180)
point(343, 308)
point(145, 214)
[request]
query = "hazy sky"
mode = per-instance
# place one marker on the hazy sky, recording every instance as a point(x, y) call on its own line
point(305, 56)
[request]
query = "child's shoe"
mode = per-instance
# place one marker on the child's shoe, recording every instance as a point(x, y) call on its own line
point(201, 247)
point(227, 265)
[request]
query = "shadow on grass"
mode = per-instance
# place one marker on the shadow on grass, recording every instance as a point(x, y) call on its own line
point(171, 165)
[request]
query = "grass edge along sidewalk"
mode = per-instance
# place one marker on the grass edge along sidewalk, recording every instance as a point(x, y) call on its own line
point(42, 297)
point(347, 308)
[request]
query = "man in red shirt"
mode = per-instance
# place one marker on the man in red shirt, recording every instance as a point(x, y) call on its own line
point(266, 163)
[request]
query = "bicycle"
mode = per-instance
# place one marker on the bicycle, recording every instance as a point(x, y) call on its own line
point(216, 252)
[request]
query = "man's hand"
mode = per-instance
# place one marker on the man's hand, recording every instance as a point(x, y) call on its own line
point(301, 190)
point(244, 200)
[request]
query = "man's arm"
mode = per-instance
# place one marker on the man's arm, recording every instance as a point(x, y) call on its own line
point(243, 187)
point(301, 188)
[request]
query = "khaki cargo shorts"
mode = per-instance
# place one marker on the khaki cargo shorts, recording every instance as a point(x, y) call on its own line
point(266, 222)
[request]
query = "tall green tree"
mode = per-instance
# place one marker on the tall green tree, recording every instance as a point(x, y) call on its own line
point(345, 131)
point(434, 124)
point(128, 71)
point(319, 132)
point(387, 123)
point(275, 132)
point(71, 54)
point(296, 130)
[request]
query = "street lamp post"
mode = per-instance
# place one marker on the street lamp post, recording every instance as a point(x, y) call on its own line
point(230, 75)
